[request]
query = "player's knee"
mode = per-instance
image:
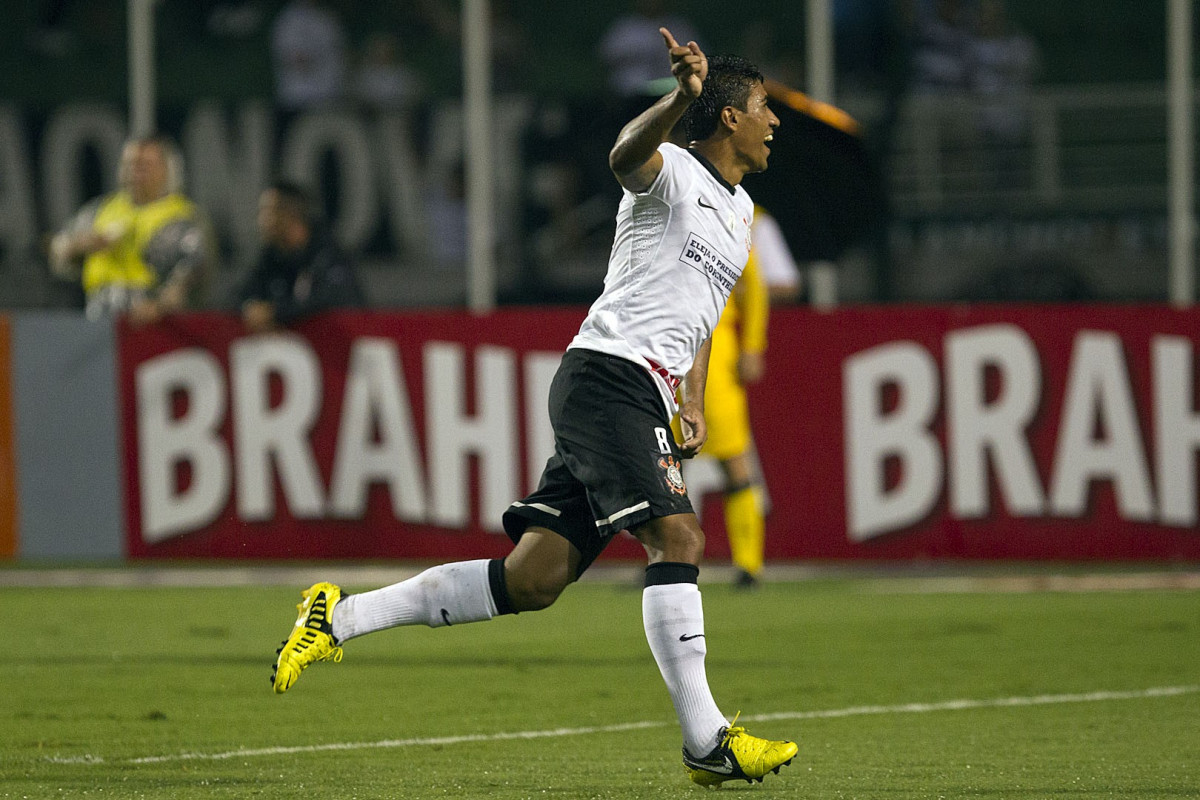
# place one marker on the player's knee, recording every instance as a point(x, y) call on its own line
point(738, 472)
point(534, 598)
point(674, 538)
point(533, 592)
point(686, 543)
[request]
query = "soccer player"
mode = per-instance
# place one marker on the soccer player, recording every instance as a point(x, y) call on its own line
point(683, 235)
point(736, 361)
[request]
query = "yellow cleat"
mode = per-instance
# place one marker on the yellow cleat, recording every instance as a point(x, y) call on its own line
point(738, 756)
point(312, 637)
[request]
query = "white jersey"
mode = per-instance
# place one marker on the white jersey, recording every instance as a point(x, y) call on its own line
point(680, 247)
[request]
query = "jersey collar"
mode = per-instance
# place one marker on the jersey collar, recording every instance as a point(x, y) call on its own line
point(729, 187)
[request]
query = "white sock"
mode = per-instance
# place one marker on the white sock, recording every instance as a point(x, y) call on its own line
point(674, 618)
point(448, 594)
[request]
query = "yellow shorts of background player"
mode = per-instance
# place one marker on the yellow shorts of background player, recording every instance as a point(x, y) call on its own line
point(728, 421)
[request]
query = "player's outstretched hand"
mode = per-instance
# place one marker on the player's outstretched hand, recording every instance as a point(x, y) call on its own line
point(688, 64)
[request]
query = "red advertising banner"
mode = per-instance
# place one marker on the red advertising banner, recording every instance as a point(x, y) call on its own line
point(1039, 432)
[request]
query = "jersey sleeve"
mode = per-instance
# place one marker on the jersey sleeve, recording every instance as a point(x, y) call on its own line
point(673, 180)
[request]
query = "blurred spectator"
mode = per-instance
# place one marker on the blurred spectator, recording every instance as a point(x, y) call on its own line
point(308, 49)
point(940, 48)
point(383, 79)
point(301, 270)
point(1003, 63)
point(632, 47)
point(145, 249)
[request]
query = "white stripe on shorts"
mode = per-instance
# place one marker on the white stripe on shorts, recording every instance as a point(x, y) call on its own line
point(554, 512)
point(624, 512)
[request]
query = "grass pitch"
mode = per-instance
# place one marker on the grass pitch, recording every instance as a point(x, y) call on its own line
point(163, 693)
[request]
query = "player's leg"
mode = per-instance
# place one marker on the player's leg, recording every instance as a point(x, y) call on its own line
point(539, 568)
point(744, 524)
point(729, 442)
point(455, 593)
point(530, 578)
point(673, 614)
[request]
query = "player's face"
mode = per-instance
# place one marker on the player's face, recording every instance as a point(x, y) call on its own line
point(145, 165)
point(755, 130)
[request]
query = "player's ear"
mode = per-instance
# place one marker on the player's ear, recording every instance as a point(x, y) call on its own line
point(729, 117)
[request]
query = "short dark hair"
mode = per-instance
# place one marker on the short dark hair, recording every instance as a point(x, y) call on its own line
point(729, 81)
point(295, 200)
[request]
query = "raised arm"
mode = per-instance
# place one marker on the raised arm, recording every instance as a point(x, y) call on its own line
point(634, 158)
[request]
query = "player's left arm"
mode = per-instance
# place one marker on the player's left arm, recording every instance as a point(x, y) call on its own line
point(754, 304)
point(691, 409)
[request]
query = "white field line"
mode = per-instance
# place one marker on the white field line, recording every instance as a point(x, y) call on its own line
point(853, 711)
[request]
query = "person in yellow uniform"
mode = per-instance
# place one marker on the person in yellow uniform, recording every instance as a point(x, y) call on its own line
point(143, 249)
point(737, 360)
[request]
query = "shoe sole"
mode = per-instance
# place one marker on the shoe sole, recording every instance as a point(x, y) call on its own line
point(715, 779)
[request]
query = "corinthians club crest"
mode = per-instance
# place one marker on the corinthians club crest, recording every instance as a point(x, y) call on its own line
point(673, 476)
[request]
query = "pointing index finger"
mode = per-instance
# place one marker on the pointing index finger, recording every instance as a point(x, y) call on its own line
point(668, 38)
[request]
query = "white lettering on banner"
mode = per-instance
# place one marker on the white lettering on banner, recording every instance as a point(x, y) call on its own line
point(453, 435)
point(394, 143)
point(1099, 395)
point(376, 401)
point(167, 441)
point(342, 135)
point(264, 433)
point(977, 428)
point(1099, 436)
point(539, 435)
point(873, 436)
point(71, 131)
point(235, 165)
point(377, 440)
point(1177, 426)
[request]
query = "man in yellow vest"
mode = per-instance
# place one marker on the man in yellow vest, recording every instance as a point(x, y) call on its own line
point(143, 249)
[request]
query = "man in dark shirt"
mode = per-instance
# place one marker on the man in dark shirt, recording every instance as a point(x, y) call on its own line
point(301, 271)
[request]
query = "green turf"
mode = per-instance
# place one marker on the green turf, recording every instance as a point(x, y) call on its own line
point(126, 674)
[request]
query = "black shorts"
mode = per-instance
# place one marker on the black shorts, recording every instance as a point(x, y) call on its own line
point(615, 462)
